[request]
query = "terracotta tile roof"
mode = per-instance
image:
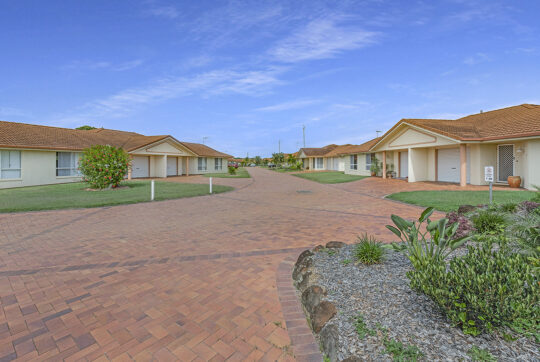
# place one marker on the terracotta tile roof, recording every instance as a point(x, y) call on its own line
point(204, 151)
point(510, 122)
point(22, 135)
point(317, 151)
point(352, 149)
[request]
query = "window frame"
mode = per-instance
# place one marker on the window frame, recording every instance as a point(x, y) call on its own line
point(369, 156)
point(2, 170)
point(217, 161)
point(202, 164)
point(353, 162)
point(317, 163)
point(74, 171)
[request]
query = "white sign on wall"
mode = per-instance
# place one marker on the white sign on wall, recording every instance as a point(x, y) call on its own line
point(488, 173)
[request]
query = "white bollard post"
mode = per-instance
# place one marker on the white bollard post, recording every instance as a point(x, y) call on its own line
point(210, 184)
point(152, 190)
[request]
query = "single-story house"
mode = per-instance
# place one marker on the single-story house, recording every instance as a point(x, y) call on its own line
point(358, 158)
point(458, 150)
point(314, 158)
point(40, 155)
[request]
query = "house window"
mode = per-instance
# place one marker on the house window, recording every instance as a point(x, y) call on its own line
point(218, 164)
point(369, 158)
point(10, 164)
point(67, 164)
point(201, 164)
point(319, 163)
point(354, 162)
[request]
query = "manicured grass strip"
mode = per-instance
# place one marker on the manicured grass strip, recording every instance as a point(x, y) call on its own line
point(330, 177)
point(284, 170)
point(74, 195)
point(240, 173)
point(451, 200)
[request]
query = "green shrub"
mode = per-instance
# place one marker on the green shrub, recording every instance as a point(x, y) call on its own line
point(488, 221)
point(508, 207)
point(232, 170)
point(103, 165)
point(479, 354)
point(368, 250)
point(486, 288)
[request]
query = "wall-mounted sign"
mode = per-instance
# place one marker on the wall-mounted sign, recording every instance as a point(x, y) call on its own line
point(488, 173)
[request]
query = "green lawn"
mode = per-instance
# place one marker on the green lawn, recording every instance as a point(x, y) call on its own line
point(284, 170)
point(451, 200)
point(330, 177)
point(240, 173)
point(74, 195)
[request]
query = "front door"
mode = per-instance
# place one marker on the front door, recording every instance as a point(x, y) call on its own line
point(505, 160)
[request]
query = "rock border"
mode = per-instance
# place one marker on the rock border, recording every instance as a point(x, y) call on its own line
point(305, 346)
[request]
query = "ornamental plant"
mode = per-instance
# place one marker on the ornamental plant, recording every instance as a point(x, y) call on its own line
point(368, 250)
point(104, 166)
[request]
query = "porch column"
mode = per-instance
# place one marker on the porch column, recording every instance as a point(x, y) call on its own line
point(187, 166)
point(399, 164)
point(129, 172)
point(164, 170)
point(463, 164)
point(383, 164)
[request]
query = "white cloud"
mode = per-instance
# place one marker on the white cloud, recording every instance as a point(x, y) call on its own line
point(321, 39)
point(300, 103)
point(477, 58)
point(169, 12)
point(217, 82)
point(104, 65)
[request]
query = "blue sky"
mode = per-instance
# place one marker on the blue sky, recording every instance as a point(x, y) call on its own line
point(246, 74)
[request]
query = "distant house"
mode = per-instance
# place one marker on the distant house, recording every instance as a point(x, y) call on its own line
point(458, 150)
point(39, 155)
point(348, 158)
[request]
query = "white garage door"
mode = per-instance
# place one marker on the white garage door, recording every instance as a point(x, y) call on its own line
point(172, 166)
point(404, 164)
point(448, 165)
point(140, 167)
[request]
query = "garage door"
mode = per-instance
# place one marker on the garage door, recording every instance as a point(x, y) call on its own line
point(448, 165)
point(172, 166)
point(404, 164)
point(140, 167)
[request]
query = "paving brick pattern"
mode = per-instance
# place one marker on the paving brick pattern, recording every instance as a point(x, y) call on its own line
point(191, 279)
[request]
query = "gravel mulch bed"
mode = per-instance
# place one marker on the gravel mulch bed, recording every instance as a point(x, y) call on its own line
point(381, 293)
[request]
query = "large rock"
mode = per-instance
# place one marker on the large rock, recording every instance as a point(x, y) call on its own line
point(318, 248)
point(301, 272)
point(329, 338)
point(323, 312)
point(463, 209)
point(335, 244)
point(352, 359)
point(311, 297)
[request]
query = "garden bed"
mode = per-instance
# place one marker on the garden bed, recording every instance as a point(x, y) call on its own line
point(395, 316)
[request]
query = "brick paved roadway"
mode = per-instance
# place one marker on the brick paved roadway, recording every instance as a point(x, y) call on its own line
point(189, 279)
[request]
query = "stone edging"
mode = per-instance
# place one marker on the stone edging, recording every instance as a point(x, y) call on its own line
point(304, 345)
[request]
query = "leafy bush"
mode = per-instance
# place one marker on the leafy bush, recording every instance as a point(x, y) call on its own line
point(485, 288)
point(488, 221)
point(442, 238)
point(537, 196)
point(528, 206)
point(525, 231)
point(103, 165)
point(465, 227)
point(479, 354)
point(508, 207)
point(368, 250)
point(232, 170)
point(375, 165)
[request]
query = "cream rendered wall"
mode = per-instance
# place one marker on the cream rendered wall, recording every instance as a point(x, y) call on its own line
point(409, 137)
point(481, 155)
point(210, 166)
point(158, 166)
point(418, 164)
point(37, 168)
point(361, 169)
point(532, 154)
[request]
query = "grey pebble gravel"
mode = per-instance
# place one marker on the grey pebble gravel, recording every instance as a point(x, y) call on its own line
point(381, 293)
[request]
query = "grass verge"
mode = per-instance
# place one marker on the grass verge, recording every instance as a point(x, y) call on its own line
point(74, 195)
point(240, 173)
point(330, 177)
point(450, 200)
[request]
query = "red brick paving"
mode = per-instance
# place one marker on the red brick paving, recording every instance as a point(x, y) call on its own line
point(190, 279)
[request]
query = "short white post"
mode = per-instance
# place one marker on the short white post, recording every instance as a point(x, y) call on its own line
point(152, 190)
point(210, 184)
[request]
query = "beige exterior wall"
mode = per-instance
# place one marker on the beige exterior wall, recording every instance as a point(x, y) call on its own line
point(37, 168)
point(409, 137)
point(418, 164)
point(361, 169)
point(532, 161)
point(210, 166)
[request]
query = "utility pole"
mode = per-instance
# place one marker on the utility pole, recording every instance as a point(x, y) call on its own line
point(378, 133)
point(279, 146)
point(304, 134)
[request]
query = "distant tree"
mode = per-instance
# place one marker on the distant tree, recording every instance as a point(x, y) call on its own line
point(85, 128)
point(291, 160)
point(258, 160)
point(278, 158)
